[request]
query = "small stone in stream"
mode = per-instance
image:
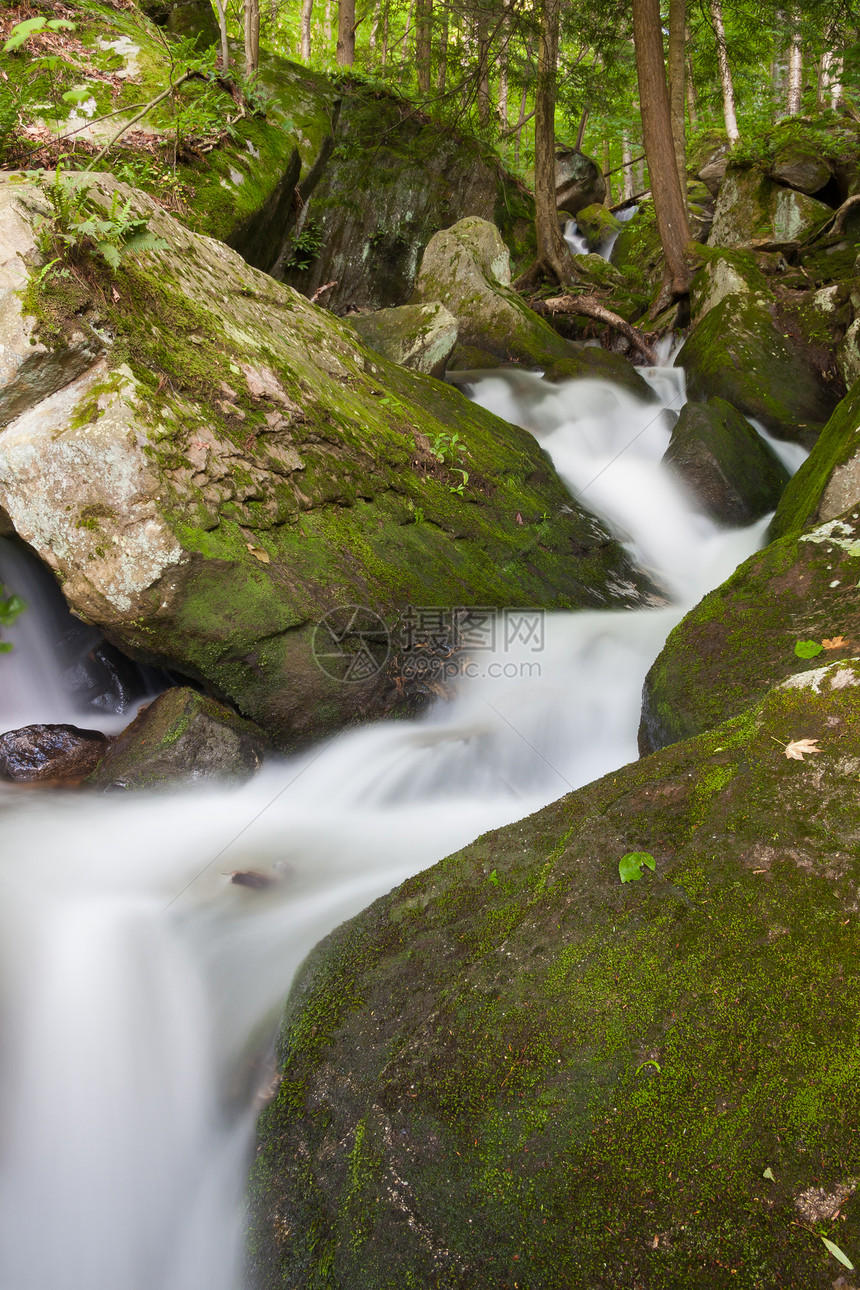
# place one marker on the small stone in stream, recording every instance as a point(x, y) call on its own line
point(43, 753)
point(253, 878)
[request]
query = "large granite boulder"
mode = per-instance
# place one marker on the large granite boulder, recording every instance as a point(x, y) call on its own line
point(516, 1070)
point(211, 465)
point(420, 337)
point(467, 267)
point(800, 166)
point(828, 482)
point(753, 210)
point(725, 273)
point(737, 352)
point(579, 181)
point(735, 477)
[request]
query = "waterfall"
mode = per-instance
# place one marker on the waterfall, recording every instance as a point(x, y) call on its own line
point(139, 987)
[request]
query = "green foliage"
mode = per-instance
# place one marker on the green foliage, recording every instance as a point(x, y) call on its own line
point(838, 1254)
point(78, 226)
point(807, 649)
point(630, 866)
point(10, 607)
point(22, 31)
point(306, 246)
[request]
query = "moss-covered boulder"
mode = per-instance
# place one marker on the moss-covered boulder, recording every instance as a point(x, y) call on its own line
point(753, 210)
point(724, 274)
point(420, 337)
point(181, 738)
point(597, 225)
point(737, 352)
point(637, 252)
point(740, 640)
point(828, 482)
point(733, 474)
point(393, 180)
point(211, 464)
point(848, 354)
point(800, 166)
point(515, 1070)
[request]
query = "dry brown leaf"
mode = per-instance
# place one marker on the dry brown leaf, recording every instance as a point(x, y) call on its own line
point(834, 642)
point(259, 553)
point(798, 747)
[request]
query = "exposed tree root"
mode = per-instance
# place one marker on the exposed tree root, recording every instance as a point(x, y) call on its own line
point(591, 307)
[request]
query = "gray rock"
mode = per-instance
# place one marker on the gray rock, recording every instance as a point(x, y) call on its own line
point(579, 182)
point(733, 474)
point(754, 211)
point(800, 169)
point(420, 337)
point(181, 738)
point(50, 753)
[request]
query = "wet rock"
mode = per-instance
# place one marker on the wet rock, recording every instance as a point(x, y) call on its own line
point(50, 753)
point(734, 475)
point(420, 337)
point(579, 182)
point(208, 501)
point(514, 1057)
point(736, 352)
point(740, 640)
point(181, 738)
point(467, 267)
point(597, 224)
point(727, 274)
point(828, 483)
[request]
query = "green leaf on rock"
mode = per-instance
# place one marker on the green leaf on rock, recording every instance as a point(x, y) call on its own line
point(838, 1254)
point(807, 649)
point(768, 1173)
point(630, 866)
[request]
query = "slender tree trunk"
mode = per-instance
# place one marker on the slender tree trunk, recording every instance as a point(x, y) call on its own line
point(305, 31)
point(669, 204)
point(830, 80)
point(795, 68)
point(580, 130)
point(423, 27)
point(553, 252)
point(638, 177)
point(222, 27)
point(626, 167)
point(442, 73)
point(677, 60)
point(327, 29)
point(483, 67)
point(607, 166)
point(690, 87)
point(386, 15)
point(521, 120)
point(252, 36)
point(345, 33)
point(728, 88)
point(404, 41)
point(503, 80)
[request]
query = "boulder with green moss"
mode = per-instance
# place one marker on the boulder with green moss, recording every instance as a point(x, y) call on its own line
point(516, 1070)
point(579, 181)
point(800, 166)
point(211, 464)
point(828, 482)
point(753, 210)
point(738, 353)
point(725, 273)
point(468, 268)
point(740, 640)
point(420, 337)
point(181, 738)
point(734, 476)
point(597, 225)
point(637, 252)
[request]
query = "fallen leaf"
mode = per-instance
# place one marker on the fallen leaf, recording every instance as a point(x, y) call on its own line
point(518, 518)
point(798, 747)
point(768, 1173)
point(807, 649)
point(114, 293)
point(259, 553)
point(838, 1254)
point(834, 642)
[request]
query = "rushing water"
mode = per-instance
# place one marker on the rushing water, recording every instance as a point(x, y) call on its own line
point(139, 985)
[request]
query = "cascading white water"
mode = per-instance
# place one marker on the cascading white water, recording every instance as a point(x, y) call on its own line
point(138, 986)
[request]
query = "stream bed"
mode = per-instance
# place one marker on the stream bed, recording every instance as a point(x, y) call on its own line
point(140, 988)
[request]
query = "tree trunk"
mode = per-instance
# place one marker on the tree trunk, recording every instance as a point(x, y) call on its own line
point(553, 253)
point(521, 120)
point(795, 68)
point(222, 27)
point(404, 41)
point(423, 26)
point(327, 30)
point(677, 59)
point(830, 80)
point(503, 82)
point(607, 175)
point(442, 73)
point(728, 88)
point(580, 130)
point(483, 68)
point(305, 32)
point(626, 167)
point(690, 87)
point(252, 36)
point(657, 137)
point(345, 33)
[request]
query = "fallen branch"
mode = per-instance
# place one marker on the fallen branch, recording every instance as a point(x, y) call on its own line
point(590, 307)
point(321, 291)
point(186, 76)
